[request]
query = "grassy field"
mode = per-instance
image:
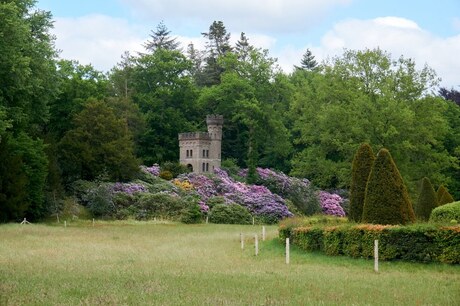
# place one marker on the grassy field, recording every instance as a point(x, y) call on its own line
point(174, 264)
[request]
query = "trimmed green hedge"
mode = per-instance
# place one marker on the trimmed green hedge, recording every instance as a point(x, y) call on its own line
point(418, 242)
point(446, 213)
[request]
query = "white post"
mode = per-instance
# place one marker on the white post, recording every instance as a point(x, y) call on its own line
point(93, 222)
point(376, 255)
point(256, 244)
point(207, 219)
point(242, 241)
point(253, 221)
point(65, 223)
point(263, 233)
point(287, 251)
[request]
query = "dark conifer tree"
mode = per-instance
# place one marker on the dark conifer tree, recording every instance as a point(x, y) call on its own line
point(387, 200)
point(161, 39)
point(217, 46)
point(426, 201)
point(440, 192)
point(243, 48)
point(361, 167)
point(308, 62)
point(445, 198)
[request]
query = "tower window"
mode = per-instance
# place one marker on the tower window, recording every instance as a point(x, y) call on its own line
point(204, 153)
point(191, 153)
point(207, 153)
point(187, 154)
point(204, 167)
point(207, 167)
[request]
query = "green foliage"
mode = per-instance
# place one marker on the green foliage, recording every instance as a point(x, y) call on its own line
point(446, 213)
point(192, 215)
point(72, 210)
point(381, 101)
point(419, 242)
point(216, 200)
point(35, 166)
point(13, 184)
point(175, 168)
point(99, 201)
point(160, 205)
point(27, 67)
point(426, 201)
point(361, 167)
point(166, 175)
point(386, 200)
point(77, 84)
point(230, 166)
point(230, 214)
point(166, 95)
point(445, 198)
point(99, 144)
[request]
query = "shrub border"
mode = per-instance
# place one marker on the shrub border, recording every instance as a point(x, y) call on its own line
point(416, 243)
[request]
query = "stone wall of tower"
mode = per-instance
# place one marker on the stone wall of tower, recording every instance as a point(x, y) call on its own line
point(202, 151)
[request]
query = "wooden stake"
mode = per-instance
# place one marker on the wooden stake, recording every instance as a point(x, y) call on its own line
point(256, 244)
point(263, 233)
point(65, 223)
point(376, 255)
point(287, 251)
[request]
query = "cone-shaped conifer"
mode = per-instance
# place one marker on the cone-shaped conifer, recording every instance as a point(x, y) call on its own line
point(445, 198)
point(427, 200)
point(387, 200)
point(360, 169)
point(440, 192)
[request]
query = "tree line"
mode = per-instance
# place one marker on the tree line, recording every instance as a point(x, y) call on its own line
point(61, 121)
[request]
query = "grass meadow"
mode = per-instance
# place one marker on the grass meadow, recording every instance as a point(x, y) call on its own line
point(134, 263)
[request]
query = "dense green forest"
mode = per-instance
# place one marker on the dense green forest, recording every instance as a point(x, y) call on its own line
point(61, 121)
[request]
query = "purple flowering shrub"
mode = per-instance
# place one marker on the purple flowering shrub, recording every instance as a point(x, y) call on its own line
point(331, 204)
point(299, 191)
point(259, 200)
point(154, 170)
point(129, 188)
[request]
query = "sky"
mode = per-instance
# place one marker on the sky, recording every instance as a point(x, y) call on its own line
point(98, 32)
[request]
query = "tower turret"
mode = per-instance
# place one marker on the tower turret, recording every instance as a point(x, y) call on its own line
point(215, 123)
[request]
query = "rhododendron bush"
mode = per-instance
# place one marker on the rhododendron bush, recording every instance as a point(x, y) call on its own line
point(266, 201)
point(260, 201)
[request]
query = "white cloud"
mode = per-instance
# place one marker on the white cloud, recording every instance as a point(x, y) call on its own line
point(240, 15)
point(101, 40)
point(97, 39)
point(456, 24)
point(398, 36)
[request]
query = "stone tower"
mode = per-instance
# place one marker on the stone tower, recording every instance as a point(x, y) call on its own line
point(201, 151)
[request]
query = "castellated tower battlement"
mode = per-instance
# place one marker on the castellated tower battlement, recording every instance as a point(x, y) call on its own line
point(201, 151)
point(214, 120)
